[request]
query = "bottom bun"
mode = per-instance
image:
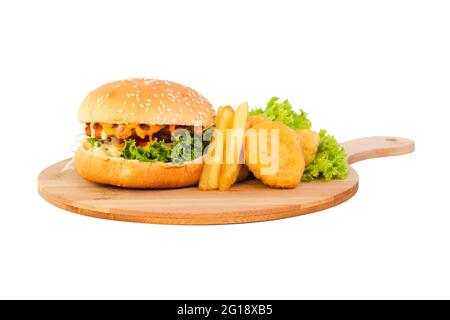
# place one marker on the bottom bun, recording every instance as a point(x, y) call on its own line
point(120, 172)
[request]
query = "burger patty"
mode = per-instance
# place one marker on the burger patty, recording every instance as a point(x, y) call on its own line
point(138, 132)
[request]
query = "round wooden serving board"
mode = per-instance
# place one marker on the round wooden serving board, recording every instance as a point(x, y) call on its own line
point(248, 201)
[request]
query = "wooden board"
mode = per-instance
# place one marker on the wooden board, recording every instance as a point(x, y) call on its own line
point(249, 201)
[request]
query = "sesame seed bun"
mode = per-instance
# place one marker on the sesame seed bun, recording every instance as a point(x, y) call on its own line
point(146, 101)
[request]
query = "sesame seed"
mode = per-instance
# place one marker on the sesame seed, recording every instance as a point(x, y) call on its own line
point(180, 110)
point(120, 111)
point(155, 95)
point(131, 113)
point(142, 105)
point(128, 95)
point(146, 109)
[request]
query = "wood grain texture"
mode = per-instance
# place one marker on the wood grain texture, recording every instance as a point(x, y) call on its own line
point(376, 147)
point(249, 201)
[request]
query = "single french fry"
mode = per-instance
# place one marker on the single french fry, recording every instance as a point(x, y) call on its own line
point(203, 182)
point(234, 141)
point(224, 122)
point(204, 175)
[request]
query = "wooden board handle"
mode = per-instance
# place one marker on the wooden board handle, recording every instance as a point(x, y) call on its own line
point(376, 147)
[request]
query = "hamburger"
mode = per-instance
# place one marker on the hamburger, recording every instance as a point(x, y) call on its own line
point(143, 133)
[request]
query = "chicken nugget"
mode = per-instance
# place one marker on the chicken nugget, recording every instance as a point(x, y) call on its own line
point(309, 140)
point(252, 120)
point(274, 155)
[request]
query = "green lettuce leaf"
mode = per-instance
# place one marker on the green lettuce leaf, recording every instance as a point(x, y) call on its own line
point(156, 151)
point(94, 142)
point(330, 162)
point(283, 112)
point(186, 148)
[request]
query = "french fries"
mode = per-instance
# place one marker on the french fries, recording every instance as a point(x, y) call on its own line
point(222, 167)
point(234, 141)
point(209, 178)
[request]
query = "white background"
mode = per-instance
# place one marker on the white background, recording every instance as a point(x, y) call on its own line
point(360, 68)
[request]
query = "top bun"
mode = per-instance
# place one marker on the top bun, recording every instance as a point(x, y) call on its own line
point(146, 101)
